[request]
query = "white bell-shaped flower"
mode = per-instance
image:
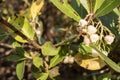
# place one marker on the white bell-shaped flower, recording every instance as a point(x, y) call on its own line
point(83, 23)
point(66, 59)
point(94, 37)
point(91, 29)
point(86, 40)
point(109, 39)
point(71, 59)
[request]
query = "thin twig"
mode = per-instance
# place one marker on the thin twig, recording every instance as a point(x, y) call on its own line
point(66, 40)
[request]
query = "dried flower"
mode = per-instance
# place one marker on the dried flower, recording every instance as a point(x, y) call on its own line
point(83, 23)
point(91, 29)
point(94, 37)
point(109, 39)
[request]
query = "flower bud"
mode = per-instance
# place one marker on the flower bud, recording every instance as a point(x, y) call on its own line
point(109, 39)
point(83, 23)
point(91, 29)
point(94, 37)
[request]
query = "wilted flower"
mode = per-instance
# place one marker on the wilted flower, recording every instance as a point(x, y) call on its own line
point(94, 37)
point(86, 40)
point(83, 23)
point(109, 39)
point(91, 29)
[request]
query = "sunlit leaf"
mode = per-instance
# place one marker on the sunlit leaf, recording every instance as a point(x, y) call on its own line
point(27, 29)
point(98, 4)
point(89, 5)
point(20, 68)
point(37, 61)
point(117, 11)
point(22, 24)
point(36, 7)
point(106, 7)
point(49, 49)
point(66, 9)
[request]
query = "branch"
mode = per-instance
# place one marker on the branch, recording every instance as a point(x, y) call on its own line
point(66, 40)
point(4, 22)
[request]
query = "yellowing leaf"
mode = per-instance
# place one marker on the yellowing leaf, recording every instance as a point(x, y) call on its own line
point(36, 7)
point(90, 63)
point(21, 24)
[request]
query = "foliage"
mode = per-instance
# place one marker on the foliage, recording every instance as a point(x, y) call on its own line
point(100, 39)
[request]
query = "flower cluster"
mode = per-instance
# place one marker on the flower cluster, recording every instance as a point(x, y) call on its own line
point(90, 30)
point(93, 35)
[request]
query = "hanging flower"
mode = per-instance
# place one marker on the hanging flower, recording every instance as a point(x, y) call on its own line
point(94, 37)
point(91, 29)
point(83, 23)
point(86, 40)
point(109, 39)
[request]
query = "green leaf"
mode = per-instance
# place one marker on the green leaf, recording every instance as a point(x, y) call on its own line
point(37, 61)
point(117, 11)
point(15, 57)
point(59, 57)
point(105, 76)
point(66, 9)
point(40, 76)
point(27, 29)
point(20, 68)
point(106, 7)
point(36, 7)
point(79, 8)
point(22, 24)
point(85, 49)
point(89, 5)
point(49, 49)
point(107, 60)
point(98, 4)
point(19, 50)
